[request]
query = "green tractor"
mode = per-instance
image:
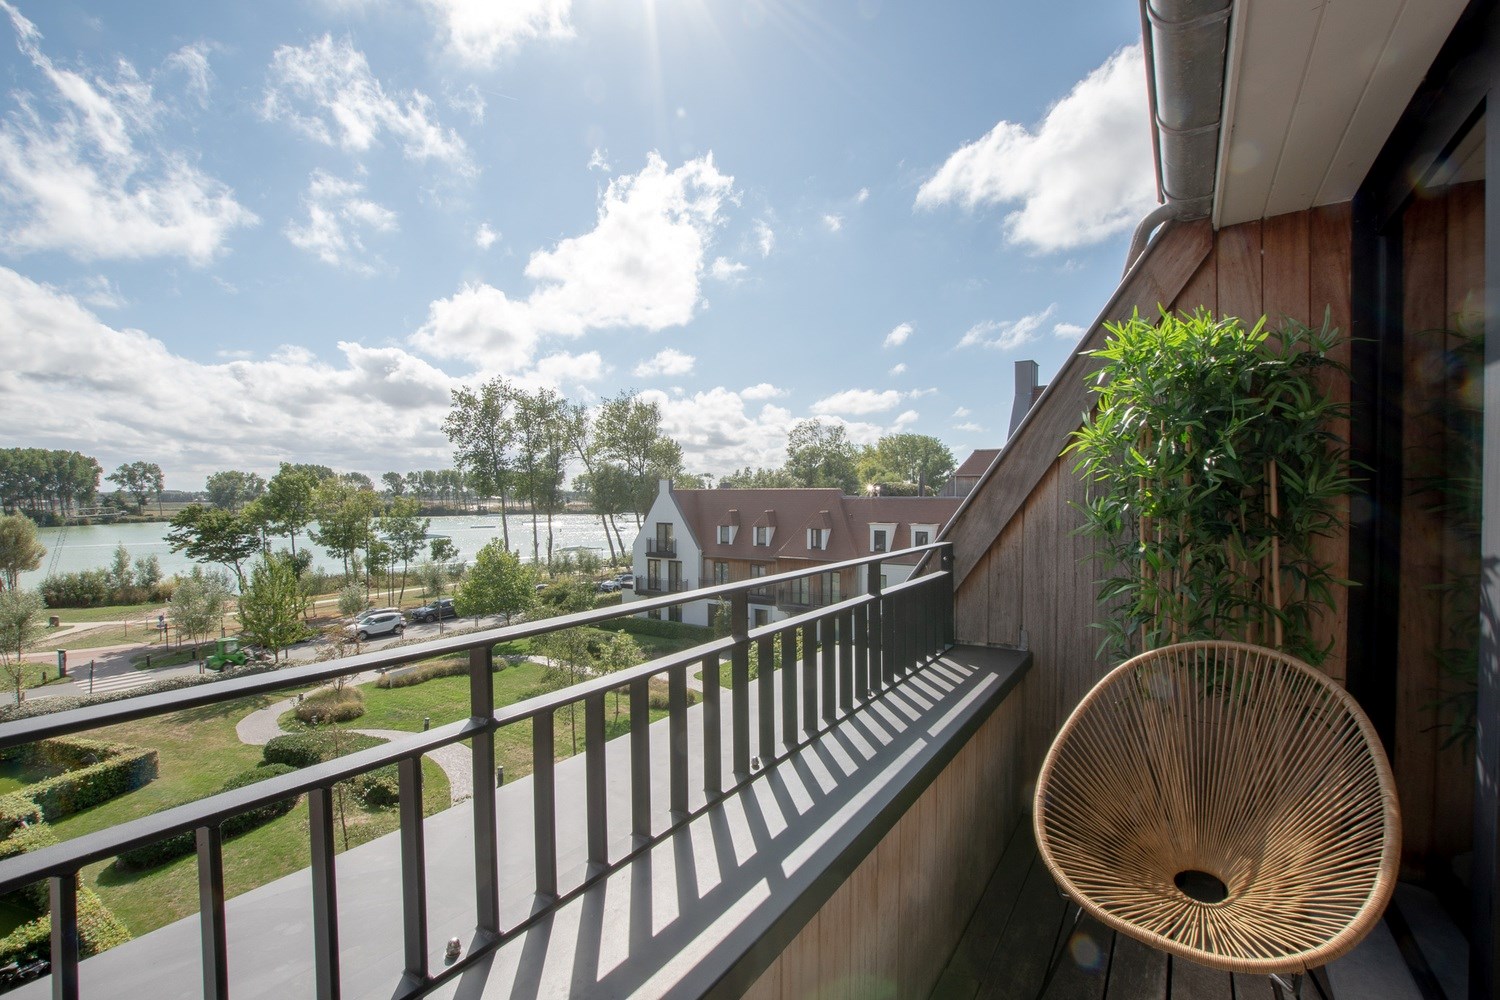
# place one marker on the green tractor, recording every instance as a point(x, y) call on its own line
point(227, 653)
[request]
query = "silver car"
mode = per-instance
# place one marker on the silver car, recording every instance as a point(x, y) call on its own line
point(377, 623)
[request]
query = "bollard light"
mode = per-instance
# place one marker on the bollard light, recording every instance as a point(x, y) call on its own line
point(426, 725)
point(454, 949)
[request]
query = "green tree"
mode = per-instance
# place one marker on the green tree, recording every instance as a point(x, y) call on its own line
point(497, 584)
point(480, 426)
point(142, 480)
point(395, 483)
point(405, 529)
point(907, 458)
point(211, 535)
point(621, 653)
point(819, 454)
point(748, 478)
point(21, 624)
point(198, 603)
point(20, 552)
point(351, 600)
point(290, 503)
point(569, 659)
point(443, 551)
point(272, 605)
point(631, 436)
point(231, 489)
point(344, 515)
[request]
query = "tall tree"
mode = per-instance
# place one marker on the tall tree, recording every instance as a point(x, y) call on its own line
point(907, 458)
point(208, 534)
point(395, 483)
point(20, 552)
point(819, 454)
point(20, 626)
point(497, 584)
point(581, 439)
point(405, 529)
point(290, 501)
point(198, 603)
point(480, 426)
point(344, 514)
point(231, 489)
point(142, 480)
point(272, 605)
point(631, 435)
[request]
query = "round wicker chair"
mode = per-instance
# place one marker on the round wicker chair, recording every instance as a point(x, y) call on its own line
point(1224, 803)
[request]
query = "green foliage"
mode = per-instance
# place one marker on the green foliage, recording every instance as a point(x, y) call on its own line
point(405, 530)
point(1211, 469)
point(20, 552)
point(819, 454)
point(898, 459)
point(497, 584)
point(566, 597)
point(46, 483)
point(680, 631)
point(64, 703)
point(210, 535)
point(423, 672)
point(21, 624)
point(344, 515)
point(93, 771)
point(378, 789)
point(98, 930)
point(199, 602)
point(300, 750)
point(748, 478)
point(159, 852)
point(272, 605)
point(290, 501)
point(332, 705)
point(231, 489)
point(142, 480)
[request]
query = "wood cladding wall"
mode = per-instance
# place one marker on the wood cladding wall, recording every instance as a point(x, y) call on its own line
point(1443, 293)
point(889, 930)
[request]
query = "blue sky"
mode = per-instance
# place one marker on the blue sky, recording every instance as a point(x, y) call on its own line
point(232, 234)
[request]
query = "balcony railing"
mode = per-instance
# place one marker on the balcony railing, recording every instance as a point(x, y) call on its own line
point(850, 653)
point(798, 598)
point(661, 548)
point(646, 585)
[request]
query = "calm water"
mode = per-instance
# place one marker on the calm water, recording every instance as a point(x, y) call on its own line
point(93, 547)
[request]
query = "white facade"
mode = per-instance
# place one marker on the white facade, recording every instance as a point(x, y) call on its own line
point(654, 569)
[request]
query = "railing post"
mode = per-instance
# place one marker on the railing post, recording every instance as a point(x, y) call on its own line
point(828, 643)
point(713, 729)
point(413, 868)
point(789, 668)
point(739, 682)
point(809, 680)
point(595, 776)
point(325, 894)
point(879, 678)
point(640, 759)
point(950, 628)
point(889, 657)
point(486, 835)
point(214, 939)
point(846, 662)
point(62, 891)
point(544, 802)
point(677, 740)
point(765, 681)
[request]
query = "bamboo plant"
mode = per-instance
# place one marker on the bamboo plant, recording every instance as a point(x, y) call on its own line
point(1211, 470)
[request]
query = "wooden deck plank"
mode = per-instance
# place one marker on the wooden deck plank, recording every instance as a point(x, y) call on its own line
point(1248, 987)
point(961, 979)
point(1022, 950)
point(1084, 970)
point(1191, 981)
point(1136, 971)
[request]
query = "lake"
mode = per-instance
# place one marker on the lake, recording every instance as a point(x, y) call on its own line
point(93, 546)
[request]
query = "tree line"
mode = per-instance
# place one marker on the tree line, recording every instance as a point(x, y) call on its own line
point(820, 454)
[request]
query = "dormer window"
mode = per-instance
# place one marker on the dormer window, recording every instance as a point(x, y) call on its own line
point(817, 538)
point(919, 537)
point(882, 535)
point(726, 534)
point(877, 540)
point(762, 535)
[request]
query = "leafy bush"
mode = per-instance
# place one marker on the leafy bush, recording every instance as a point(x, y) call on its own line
point(331, 705)
point(423, 672)
point(659, 698)
point(663, 629)
point(179, 845)
point(93, 771)
point(299, 750)
point(380, 788)
point(34, 707)
point(16, 811)
point(94, 588)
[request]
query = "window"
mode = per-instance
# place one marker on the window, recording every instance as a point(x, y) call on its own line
point(674, 613)
point(664, 540)
point(726, 534)
point(815, 538)
point(877, 540)
point(757, 569)
point(653, 574)
point(721, 572)
point(674, 576)
point(919, 537)
point(762, 535)
point(762, 617)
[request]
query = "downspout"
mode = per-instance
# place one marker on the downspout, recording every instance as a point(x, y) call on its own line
point(1185, 43)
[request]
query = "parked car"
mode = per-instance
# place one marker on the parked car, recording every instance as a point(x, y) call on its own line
point(440, 608)
point(609, 586)
point(388, 622)
point(372, 612)
point(626, 581)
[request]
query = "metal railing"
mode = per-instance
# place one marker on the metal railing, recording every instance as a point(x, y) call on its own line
point(658, 548)
point(849, 654)
point(645, 585)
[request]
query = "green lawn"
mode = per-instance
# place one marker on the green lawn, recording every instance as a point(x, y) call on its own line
point(198, 751)
point(110, 613)
point(103, 635)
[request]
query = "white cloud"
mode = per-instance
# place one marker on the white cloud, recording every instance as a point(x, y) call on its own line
point(326, 90)
point(863, 195)
point(1068, 331)
point(858, 402)
point(1069, 193)
point(763, 390)
point(484, 236)
point(192, 62)
point(969, 428)
point(907, 418)
point(666, 362)
point(897, 336)
point(479, 31)
point(833, 222)
point(719, 434)
point(599, 160)
point(563, 368)
point(102, 293)
point(1005, 335)
point(898, 369)
point(725, 269)
point(960, 413)
point(372, 409)
point(765, 237)
point(640, 266)
point(336, 217)
point(469, 101)
point(91, 180)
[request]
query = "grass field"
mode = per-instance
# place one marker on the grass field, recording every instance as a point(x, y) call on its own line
point(111, 613)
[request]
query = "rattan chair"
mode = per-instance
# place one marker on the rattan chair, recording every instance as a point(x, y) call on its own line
point(1224, 803)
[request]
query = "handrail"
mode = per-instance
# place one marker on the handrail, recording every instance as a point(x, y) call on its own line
point(850, 652)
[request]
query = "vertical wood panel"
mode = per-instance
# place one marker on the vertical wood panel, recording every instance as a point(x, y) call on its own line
point(1239, 271)
point(799, 963)
point(1008, 583)
point(1285, 269)
point(972, 621)
point(768, 986)
point(1202, 289)
point(835, 941)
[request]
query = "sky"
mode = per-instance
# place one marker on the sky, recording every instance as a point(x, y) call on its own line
point(238, 234)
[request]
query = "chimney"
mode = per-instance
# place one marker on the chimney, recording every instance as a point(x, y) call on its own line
point(1027, 390)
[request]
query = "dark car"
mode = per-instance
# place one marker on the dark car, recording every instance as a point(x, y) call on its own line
point(440, 608)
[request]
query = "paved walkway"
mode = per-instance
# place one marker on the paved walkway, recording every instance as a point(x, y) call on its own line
point(260, 727)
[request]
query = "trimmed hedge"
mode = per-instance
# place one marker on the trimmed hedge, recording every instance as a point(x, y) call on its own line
point(408, 676)
point(662, 629)
point(16, 811)
point(331, 705)
point(93, 772)
point(178, 845)
point(33, 707)
point(378, 789)
point(299, 750)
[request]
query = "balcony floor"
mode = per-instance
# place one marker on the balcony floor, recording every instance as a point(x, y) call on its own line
point(1004, 952)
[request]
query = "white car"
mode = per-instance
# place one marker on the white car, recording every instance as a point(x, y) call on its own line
point(385, 622)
